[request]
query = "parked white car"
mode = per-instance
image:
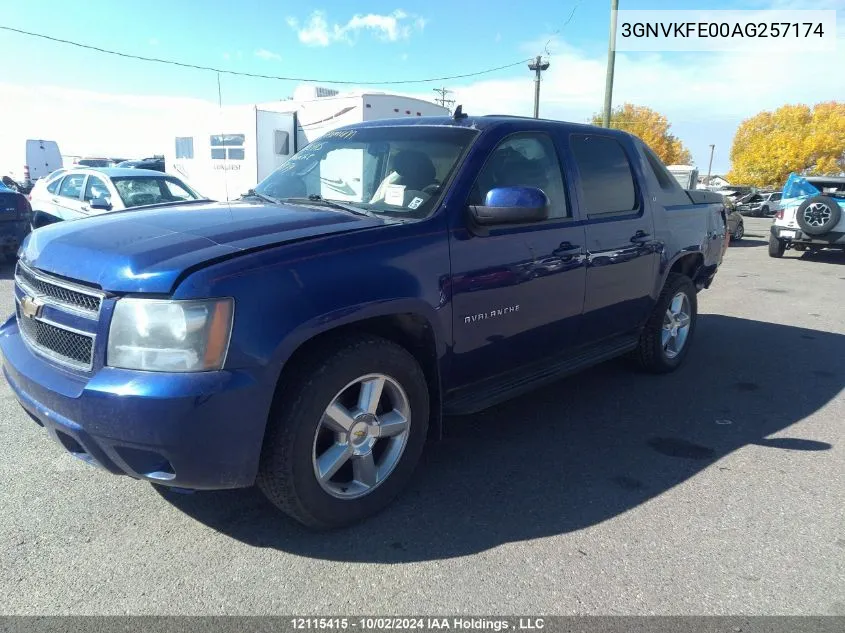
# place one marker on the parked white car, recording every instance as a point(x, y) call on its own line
point(812, 217)
point(77, 193)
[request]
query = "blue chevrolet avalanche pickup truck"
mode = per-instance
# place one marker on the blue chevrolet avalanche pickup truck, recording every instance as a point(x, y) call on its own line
point(310, 337)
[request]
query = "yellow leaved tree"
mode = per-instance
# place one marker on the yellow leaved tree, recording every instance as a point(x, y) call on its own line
point(794, 138)
point(653, 128)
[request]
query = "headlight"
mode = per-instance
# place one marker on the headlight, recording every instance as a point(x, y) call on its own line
point(163, 335)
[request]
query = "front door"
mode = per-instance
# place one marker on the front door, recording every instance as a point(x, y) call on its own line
point(517, 290)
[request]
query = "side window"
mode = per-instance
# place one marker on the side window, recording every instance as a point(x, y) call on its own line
point(184, 147)
point(96, 188)
point(71, 186)
point(606, 177)
point(776, 197)
point(664, 178)
point(524, 160)
point(53, 187)
point(229, 146)
point(282, 142)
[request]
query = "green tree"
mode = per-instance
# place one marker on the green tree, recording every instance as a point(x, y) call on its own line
point(794, 138)
point(654, 130)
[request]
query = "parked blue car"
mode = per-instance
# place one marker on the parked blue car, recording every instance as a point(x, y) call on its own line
point(311, 341)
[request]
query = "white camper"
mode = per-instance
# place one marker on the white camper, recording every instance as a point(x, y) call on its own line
point(231, 150)
point(39, 159)
point(686, 175)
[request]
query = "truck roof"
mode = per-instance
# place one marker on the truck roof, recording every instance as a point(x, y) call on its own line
point(486, 122)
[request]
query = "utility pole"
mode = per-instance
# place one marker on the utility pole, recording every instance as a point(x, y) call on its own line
point(442, 100)
point(538, 66)
point(710, 166)
point(611, 61)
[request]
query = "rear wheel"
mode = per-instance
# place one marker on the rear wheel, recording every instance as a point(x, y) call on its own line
point(346, 434)
point(666, 338)
point(740, 231)
point(776, 247)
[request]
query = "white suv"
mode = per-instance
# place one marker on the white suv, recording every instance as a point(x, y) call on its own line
point(812, 215)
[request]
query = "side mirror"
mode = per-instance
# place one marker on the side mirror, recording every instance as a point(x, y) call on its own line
point(511, 205)
point(100, 204)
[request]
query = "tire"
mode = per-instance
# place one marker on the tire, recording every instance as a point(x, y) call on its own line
point(740, 231)
point(654, 353)
point(818, 215)
point(298, 433)
point(799, 247)
point(776, 247)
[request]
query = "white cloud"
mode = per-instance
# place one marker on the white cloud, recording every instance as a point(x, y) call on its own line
point(263, 53)
point(392, 27)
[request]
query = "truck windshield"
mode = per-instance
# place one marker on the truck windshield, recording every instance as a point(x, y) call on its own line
point(400, 171)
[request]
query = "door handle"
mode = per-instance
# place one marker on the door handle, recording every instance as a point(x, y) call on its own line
point(639, 236)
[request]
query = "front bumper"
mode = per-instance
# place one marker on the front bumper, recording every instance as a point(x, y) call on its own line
point(795, 235)
point(198, 431)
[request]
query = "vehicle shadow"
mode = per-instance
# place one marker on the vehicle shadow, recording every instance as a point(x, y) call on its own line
point(574, 454)
point(828, 257)
point(7, 270)
point(747, 242)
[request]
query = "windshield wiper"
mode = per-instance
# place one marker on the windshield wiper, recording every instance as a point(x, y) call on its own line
point(252, 193)
point(316, 197)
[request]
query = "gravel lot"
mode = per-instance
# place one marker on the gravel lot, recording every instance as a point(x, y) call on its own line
point(718, 489)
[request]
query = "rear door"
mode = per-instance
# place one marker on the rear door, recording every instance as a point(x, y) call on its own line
point(621, 251)
point(69, 199)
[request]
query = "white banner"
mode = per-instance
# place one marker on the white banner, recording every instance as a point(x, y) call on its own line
point(712, 30)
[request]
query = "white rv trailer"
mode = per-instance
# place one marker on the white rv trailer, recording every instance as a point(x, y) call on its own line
point(686, 175)
point(227, 152)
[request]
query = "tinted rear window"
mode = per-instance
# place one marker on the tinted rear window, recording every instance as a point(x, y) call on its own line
point(607, 181)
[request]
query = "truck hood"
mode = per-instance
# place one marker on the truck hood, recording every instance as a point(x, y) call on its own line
point(147, 250)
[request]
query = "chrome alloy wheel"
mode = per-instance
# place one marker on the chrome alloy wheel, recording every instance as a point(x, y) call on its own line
point(817, 214)
point(361, 436)
point(676, 325)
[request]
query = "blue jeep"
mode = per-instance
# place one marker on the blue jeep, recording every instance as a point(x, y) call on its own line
point(311, 336)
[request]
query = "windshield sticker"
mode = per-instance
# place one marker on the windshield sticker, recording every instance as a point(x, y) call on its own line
point(416, 202)
point(395, 195)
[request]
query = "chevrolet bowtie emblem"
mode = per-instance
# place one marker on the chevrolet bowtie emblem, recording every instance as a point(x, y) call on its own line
point(31, 307)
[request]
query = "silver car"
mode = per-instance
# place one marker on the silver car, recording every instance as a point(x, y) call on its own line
point(762, 205)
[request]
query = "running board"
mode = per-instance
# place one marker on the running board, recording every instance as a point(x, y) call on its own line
point(498, 389)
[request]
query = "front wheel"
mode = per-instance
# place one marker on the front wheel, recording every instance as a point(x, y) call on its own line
point(740, 231)
point(346, 433)
point(776, 247)
point(665, 340)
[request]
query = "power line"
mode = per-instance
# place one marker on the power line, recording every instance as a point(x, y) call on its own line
point(256, 75)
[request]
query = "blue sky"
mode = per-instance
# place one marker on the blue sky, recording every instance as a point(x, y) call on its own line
point(392, 39)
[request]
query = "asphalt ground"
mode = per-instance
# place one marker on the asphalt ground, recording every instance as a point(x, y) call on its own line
point(718, 489)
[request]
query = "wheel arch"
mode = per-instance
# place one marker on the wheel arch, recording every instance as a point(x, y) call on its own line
point(411, 329)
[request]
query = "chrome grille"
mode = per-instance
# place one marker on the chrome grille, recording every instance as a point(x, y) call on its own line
point(66, 346)
point(59, 292)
